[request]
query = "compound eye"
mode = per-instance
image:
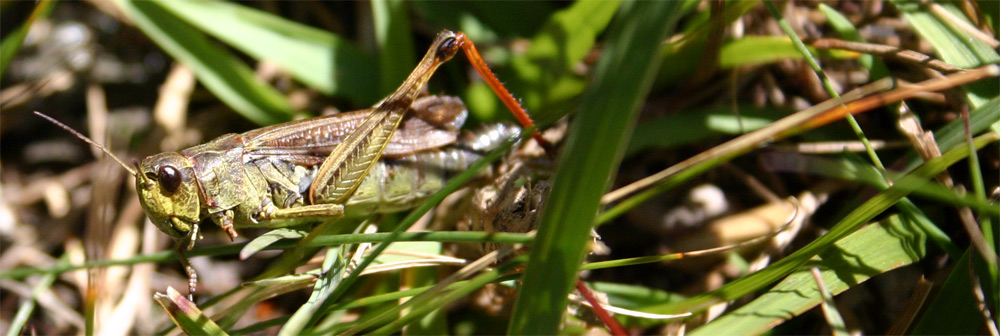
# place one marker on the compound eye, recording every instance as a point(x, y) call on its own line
point(169, 178)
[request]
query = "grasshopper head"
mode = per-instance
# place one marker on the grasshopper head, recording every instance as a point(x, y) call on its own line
point(169, 193)
point(166, 184)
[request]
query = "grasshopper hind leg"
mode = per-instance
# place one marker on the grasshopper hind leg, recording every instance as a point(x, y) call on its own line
point(302, 212)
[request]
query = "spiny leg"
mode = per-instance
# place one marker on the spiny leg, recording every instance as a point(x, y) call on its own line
point(348, 163)
point(500, 90)
point(183, 245)
point(342, 172)
point(330, 210)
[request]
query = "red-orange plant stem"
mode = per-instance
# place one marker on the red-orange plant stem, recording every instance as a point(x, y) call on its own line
point(871, 102)
point(612, 324)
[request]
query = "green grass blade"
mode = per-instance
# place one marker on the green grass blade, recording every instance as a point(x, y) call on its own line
point(263, 241)
point(593, 149)
point(186, 314)
point(953, 311)
point(844, 168)
point(228, 78)
point(954, 46)
point(27, 307)
point(432, 304)
point(318, 58)
point(827, 84)
point(395, 43)
point(757, 50)
point(848, 32)
point(332, 271)
point(699, 124)
point(543, 76)
point(544, 72)
point(432, 201)
point(11, 44)
point(327, 240)
point(848, 224)
point(870, 251)
point(633, 296)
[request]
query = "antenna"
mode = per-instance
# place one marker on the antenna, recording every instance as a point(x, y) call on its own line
point(85, 138)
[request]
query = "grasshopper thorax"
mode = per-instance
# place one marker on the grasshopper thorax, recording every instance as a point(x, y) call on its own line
point(168, 192)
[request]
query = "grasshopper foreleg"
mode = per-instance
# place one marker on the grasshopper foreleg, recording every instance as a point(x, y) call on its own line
point(183, 245)
point(187, 242)
point(284, 182)
point(225, 220)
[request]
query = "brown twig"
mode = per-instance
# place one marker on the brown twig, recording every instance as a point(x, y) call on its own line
point(897, 53)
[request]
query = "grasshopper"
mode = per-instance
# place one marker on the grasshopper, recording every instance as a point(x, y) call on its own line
point(311, 168)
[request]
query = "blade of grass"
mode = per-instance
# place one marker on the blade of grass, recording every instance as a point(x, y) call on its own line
point(544, 73)
point(954, 45)
point(655, 184)
point(853, 170)
point(186, 314)
point(263, 241)
point(633, 296)
point(419, 310)
point(249, 300)
point(699, 124)
point(319, 59)
point(395, 318)
point(845, 226)
point(229, 79)
point(432, 201)
point(233, 249)
point(395, 43)
point(870, 251)
point(288, 261)
point(332, 272)
point(878, 70)
point(595, 146)
point(845, 168)
point(953, 311)
point(797, 123)
point(827, 84)
point(28, 305)
point(848, 32)
point(957, 46)
point(756, 50)
point(543, 76)
point(363, 302)
point(11, 44)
